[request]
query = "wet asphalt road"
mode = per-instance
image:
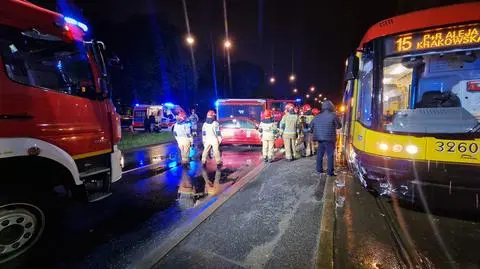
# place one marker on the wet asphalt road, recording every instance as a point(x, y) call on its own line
point(147, 204)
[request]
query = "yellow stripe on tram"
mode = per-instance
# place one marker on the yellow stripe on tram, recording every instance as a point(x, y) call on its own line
point(91, 154)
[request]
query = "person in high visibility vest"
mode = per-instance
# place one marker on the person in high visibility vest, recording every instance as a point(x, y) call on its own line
point(268, 130)
point(290, 129)
point(308, 116)
point(211, 138)
point(183, 134)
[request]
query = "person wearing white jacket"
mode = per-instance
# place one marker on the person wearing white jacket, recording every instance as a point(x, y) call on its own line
point(211, 138)
point(183, 135)
point(268, 130)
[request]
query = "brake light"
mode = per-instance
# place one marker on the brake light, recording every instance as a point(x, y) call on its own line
point(473, 86)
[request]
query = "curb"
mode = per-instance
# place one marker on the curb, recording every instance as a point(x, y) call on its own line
point(327, 226)
point(178, 235)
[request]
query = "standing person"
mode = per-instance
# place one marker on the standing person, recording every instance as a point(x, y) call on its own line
point(289, 127)
point(268, 131)
point(211, 138)
point(194, 120)
point(146, 124)
point(324, 128)
point(151, 119)
point(183, 135)
point(308, 116)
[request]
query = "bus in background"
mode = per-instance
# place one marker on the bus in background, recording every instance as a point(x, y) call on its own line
point(412, 104)
point(165, 115)
point(278, 107)
point(245, 108)
point(58, 127)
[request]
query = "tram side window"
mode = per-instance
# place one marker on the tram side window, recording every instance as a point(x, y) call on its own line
point(364, 113)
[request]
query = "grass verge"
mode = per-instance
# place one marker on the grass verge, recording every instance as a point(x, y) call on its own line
point(140, 139)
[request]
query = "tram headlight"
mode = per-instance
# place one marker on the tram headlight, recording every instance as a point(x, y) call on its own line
point(397, 148)
point(411, 149)
point(383, 146)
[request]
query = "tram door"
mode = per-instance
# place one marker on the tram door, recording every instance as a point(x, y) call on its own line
point(349, 100)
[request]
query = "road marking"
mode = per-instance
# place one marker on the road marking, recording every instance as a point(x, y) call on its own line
point(179, 234)
point(141, 167)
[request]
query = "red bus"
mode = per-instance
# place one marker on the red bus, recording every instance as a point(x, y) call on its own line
point(278, 107)
point(251, 108)
point(58, 126)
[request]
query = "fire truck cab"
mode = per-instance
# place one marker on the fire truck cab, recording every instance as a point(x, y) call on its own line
point(58, 127)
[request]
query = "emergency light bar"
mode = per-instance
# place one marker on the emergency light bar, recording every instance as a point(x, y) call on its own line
point(72, 21)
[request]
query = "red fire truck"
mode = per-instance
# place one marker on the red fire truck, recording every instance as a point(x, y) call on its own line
point(58, 127)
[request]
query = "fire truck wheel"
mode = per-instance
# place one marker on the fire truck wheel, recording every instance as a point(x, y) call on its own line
point(22, 223)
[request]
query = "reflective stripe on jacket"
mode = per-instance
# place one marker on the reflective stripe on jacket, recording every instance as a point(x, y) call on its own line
point(268, 130)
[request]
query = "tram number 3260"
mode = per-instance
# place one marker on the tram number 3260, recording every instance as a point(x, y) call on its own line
point(461, 147)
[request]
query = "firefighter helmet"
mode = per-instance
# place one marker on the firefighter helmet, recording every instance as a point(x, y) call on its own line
point(289, 107)
point(267, 114)
point(211, 114)
point(306, 108)
point(315, 111)
point(181, 116)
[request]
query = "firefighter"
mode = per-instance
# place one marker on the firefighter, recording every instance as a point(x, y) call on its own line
point(183, 134)
point(268, 131)
point(289, 128)
point(211, 138)
point(308, 117)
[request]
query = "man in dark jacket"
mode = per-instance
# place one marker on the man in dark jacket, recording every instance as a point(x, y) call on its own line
point(324, 128)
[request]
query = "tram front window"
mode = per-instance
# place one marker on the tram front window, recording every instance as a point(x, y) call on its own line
point(431, 93)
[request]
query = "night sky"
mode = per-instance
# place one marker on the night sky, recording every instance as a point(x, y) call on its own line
point(316, 36)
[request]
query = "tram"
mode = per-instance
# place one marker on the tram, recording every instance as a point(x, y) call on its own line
point(412, 103)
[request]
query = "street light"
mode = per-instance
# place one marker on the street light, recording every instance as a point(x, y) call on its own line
point(190, 40)
point(320, 95)
point(227, 44)
point(312, 89)
point(308, 95)
point(316, 99)
point(272, 80)
point(292, 78)
point(295, 90)
point(325, 98)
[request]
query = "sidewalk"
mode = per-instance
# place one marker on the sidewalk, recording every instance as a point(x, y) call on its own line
point(274, 222)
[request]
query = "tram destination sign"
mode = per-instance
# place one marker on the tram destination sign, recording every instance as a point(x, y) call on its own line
point(443, 38)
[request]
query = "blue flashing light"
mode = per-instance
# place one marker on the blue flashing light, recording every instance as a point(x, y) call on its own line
point(137, 104)
point(169, 105)
point(83, 26)
point(217, 103)
point(172, 165)
point(73, 21)
point(59, 65)
point(298, 100)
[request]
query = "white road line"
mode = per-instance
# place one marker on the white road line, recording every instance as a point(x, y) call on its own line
point(138, 168)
